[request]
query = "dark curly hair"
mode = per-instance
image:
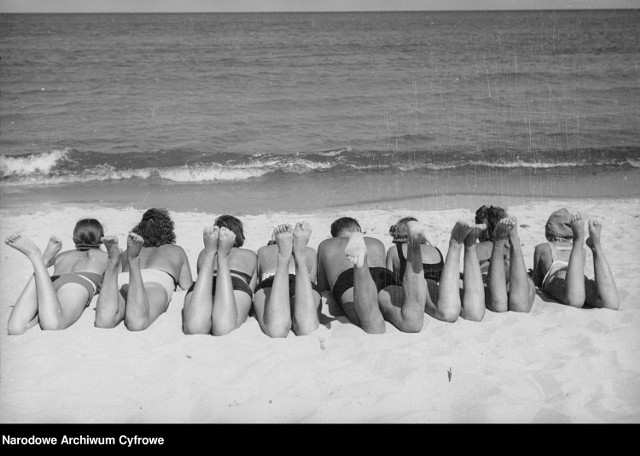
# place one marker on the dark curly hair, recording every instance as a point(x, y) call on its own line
point(234, 224)
point(490, 215)
point(156, 228)
point(399, 230)
point(87, 234)
point(344, 223)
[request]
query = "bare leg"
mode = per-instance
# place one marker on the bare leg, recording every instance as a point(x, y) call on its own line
point(224, 317)
point(365, 294)
point(575, 291)
point(473, 294)
point(144, 304)
point(51, 313)
point(277, 310)
point(198, 305)
point(449, 304)
point(521, 287)
point(25, 311)
point(497, 280)
point(606, 286)
point(406, 311)
point(306, 301)
point(110, 306)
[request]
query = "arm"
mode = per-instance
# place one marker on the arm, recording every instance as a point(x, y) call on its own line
point(541, 262)
point(186, 279)
point(323, 282)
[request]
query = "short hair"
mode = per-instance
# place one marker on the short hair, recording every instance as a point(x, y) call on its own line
point(401, 226)
point(87, 234)
point(156, 228)
point(490, 215)
point(344, 223)
point(234, 224)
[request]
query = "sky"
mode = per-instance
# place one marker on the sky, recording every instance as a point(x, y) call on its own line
point(167, 6)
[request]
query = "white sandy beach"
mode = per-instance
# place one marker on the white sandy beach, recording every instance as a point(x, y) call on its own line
point(554, 365)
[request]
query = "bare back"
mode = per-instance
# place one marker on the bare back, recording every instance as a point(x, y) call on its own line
point(332, 260)
point(92, 260)
point(169, 258)
point(268, 257)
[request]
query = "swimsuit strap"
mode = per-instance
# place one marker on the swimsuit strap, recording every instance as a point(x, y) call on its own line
point(244, 275)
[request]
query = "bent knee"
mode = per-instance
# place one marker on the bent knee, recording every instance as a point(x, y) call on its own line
point(14, 329)
point(193, 329)
point(136, 324)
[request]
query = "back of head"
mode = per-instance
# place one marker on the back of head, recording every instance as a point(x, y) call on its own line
point(87, 234)
point(156, 228)
point(344, 224)
point(399, 230)
point(233, 224)
point(489, 215)
point(557, 227)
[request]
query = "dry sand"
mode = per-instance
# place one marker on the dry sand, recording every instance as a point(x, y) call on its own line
point(554, 365)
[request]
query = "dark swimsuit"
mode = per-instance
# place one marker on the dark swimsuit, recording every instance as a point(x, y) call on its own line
point(432, 271)
point(91, 281)
point(268, 283)
point(382, 277)
point(237, 283)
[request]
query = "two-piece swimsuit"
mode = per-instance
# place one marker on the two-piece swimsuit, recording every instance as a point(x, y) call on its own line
point(240, 281)
point(91, 281)
point(266, 281)
point(151, 276)
point(557, 265)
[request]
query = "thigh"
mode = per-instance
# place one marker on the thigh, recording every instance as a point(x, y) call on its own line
point(260, 298)
point(157, 298)
point(348, 306)
point(243, 304)
point(390, 297)
point(592, 297)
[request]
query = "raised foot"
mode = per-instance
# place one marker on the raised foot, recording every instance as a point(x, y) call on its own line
point(226, 241)
point(210, 236)
point(504, 228)
point(51, 250)
point(356, 250)
point(23, 244)
point(577, 225)
point(134, 245)
point(301, 236)
point(595, 229)
point(283, 235)
point(474, 234)
point(416, 233)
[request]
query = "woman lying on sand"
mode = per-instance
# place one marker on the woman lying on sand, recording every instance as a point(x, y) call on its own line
point(558, 265)
point(58, 301)
point(287, 297)
point(152, 267)
point(220, 299)
point(509, 287)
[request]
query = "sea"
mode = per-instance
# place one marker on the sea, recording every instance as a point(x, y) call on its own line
point(257, 113)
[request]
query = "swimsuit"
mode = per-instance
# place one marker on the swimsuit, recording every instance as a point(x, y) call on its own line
point(431, 270)
point(238, 283)
point(556, 265)
point(149, 276)
point(382, 277)
point(91, 281)
point(267, 282)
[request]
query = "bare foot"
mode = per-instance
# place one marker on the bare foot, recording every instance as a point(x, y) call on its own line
point(503, 228)
point(416, 233)
point(301, 236)
point(577, 225)
point(25, 245)
point(283, 235)
point(210, 237)
point(134, 245)
point(460, 231)
point(595, 228)
point(474, 233)
point(356, 249)
point(51, 250)
point(226, 241)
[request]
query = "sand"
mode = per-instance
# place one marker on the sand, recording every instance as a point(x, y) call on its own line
point(555, 364)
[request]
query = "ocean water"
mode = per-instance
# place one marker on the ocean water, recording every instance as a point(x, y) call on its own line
point(247, 113)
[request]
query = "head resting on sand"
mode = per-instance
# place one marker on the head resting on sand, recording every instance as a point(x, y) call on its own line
point(87, 234)
point(490, 216)
point(233, 224)
point(344, 224)
point(399, 230)
point(156, 228)
point(557, 227)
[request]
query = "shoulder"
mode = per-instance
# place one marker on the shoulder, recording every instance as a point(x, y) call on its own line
point(245, 253)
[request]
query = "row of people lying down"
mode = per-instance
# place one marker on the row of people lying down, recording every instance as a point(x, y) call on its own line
point(284, 280)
